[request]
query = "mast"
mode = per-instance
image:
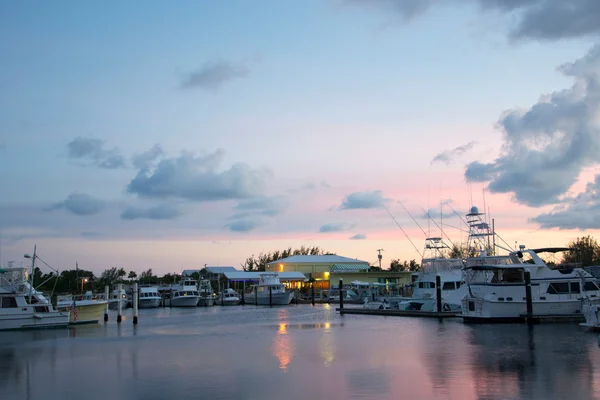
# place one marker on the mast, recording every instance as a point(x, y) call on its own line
point(32, 272)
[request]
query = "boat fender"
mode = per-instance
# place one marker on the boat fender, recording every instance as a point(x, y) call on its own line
point(446, 307)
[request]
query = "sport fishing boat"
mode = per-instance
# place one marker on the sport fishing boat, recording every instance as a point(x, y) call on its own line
point(185, 294)
point(21, 307)
point(270, 290)
point(83, 309)
point(149, 297)
point(229, 297)
point(207, 294)
point(496, 293)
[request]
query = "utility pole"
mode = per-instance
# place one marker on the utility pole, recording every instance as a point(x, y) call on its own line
point(379, 256)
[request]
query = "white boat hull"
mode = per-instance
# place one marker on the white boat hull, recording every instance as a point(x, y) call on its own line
point(206, 301)
point(230, 302)
point(149, 303)
point(474, 309)
point(185, 301)
point(33, 320)
point(278, 299)
point(114, 304)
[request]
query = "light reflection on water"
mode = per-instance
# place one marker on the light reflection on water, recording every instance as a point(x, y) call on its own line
point(298, 352)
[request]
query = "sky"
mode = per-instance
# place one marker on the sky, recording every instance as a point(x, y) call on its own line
point(176, 135)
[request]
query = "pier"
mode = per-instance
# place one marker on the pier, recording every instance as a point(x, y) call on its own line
point(399, 313)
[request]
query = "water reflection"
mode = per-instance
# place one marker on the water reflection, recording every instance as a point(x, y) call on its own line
point(517, 361)
point(283, 347)
point(249, 353)
point(327, 345)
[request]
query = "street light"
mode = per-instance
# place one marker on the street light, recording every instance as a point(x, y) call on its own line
point(83, 280)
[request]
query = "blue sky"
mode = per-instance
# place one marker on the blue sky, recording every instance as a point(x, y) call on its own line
point(283, 109)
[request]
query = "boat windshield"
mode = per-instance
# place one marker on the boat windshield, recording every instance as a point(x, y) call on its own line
point(494, 275)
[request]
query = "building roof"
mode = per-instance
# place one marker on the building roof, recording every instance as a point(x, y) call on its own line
point(220, 270)
point(349, 267)
point(318, 259)
point(255, 276)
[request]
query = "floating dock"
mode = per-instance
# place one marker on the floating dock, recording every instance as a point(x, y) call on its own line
point(399, 313)
point(537, 319)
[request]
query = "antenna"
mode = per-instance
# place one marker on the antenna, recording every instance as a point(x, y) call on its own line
point(379, 256)
point(415, 221)
point(399, 226)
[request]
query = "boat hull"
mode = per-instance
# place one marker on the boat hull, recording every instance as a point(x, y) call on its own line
point(149, 302)
point(278, 299)
point(185, 301)
point(86, 313)
point(206, 301)
point(230, 302)
point(114, 304)
point(33, 320)
point(475, 309)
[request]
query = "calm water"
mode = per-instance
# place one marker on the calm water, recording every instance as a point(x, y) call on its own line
point(298, 352)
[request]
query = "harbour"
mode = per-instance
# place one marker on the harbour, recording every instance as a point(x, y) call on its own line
point(297, 352)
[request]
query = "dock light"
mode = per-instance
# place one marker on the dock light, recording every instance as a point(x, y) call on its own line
point(280, 267)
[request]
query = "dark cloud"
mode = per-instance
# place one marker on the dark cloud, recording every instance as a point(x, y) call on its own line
point(79, 204)
point(159, 212)
point(263, 206)
point(529, 19)
point(252, 213)
point(450, 155)
point(579, 212)
point(363, 200)
point(550, 19)
point(243, 225)
point(547, 146)
point(358, 236)
point(407, 9)
point(435, 214)
point(148, 158)
point(93, 152)
point(213, 75)
point(335, 227)
point(197, 178)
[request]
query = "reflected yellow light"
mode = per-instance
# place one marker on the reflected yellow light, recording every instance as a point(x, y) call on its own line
point(283, 347)
point(327, 325)
point(326, 274)
point(280, 267)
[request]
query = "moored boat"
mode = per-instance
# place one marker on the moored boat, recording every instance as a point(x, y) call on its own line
point(83, 309)
point(21, 307)
point(270, 291)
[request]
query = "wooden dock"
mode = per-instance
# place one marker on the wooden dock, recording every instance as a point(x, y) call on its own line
point(399, 313)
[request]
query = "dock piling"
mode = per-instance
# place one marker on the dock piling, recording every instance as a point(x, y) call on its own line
point(438, 292)
point(107, 299)
point(341, 294)
point(270, 296)
point(135, 303)
point(119, 302)
point(528, 297)
point(312, 289)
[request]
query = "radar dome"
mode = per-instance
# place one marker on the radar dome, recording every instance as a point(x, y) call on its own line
point(474, 210)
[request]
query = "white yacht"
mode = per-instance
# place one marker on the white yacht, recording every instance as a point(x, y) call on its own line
point(270, 290)
point(21, 307)
point(207, 294)
point(497, 292)
point(148, 297)
point(83, 309)
point(229, 297)
point(185, 294)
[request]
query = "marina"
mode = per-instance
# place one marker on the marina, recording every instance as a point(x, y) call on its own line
point(225, 351)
